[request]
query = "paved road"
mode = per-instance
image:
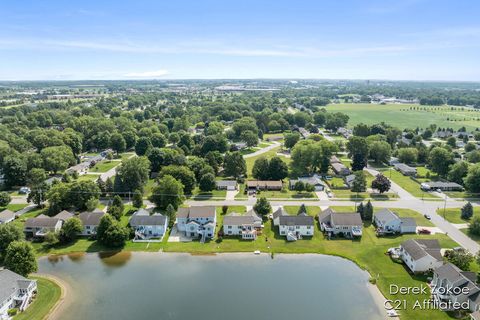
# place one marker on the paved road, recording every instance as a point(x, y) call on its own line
point(402, 193)
point(263, 150)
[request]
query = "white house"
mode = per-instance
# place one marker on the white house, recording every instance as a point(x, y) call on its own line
point(387, 221)
point(6, 216)
point(90, 221)
point(41, 225)
point(148, 226)
point(276, 216)
point(453, 287)
point(248, 225)
point(197, 222)
point(229, 185)
point(296, 227)
point(348, 224)
point(15, 292)
point(421, 255)
point(314, 180)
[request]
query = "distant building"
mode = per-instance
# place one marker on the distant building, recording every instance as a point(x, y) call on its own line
point(340, 169)
point(148, 226)
point(90, 221)
point(314, 180)
point(406, 170)
point(444, 186)
point(264, 185)
point(41, 225)
point(229, 185)
point(349, 180)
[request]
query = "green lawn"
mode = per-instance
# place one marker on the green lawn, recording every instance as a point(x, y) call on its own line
point(104, 166)
point(349, 195)
point(212, 195)
point(400, 116)
point(48, 294)
point(283, 194)
point(408, 184)
point(453, 215)
point(88, 177)
point(14, 207)
point(268, 155)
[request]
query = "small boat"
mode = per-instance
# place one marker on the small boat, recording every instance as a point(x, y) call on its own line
point(256, 252)
point(392, 313)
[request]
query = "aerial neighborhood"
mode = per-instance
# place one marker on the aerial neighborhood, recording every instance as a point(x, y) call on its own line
point(205, 168)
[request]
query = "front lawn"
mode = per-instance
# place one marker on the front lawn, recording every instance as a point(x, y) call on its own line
point(408, 184)
point(453, 215)
point(104, 166)
point(197, 194)
point(48, 294)
point(14, 207)
point(88, 177)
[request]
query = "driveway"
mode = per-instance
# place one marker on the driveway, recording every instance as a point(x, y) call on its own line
point(176, 236)
point(231, 194)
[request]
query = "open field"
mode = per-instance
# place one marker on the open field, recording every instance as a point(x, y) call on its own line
point(453, 215)
point(104, 166)
point(48, 294)
point(399, 115)
point(408, 184)
point(268, 155)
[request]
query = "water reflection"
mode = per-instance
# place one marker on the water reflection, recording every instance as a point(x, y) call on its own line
point(115, 258)
point(76, 256)
point(55, 258)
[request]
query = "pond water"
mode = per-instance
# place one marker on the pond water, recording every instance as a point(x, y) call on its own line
point(227, 286)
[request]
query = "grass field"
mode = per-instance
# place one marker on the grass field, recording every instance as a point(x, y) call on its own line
point(268, 155)
point(400, 115)
point(48, 294)
point(14, 207)
point(88, 177)
point(453, 215)
point(408, 184)
point(104, 166)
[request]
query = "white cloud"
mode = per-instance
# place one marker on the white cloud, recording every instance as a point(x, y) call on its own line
point(147, 74)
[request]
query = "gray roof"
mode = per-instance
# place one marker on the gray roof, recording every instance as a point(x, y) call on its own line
point(453, 274)
point(419, 248)
point(325, 215)
point(234, 218)
point(196, 212)
point(313, 180)
point(10, 282)
point(441, 184)
point(226, 183)
point(404, 167)
point(346, 219)
point(334, 159)
point(409, 222)
point(143, 219)
point(41, 222)
point(91, 218)
point(299, 220)
point(337, 166)
point(7, 215)
point(64, 215)
point(386, 215)
point(280, 212)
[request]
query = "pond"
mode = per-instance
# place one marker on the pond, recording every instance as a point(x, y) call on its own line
point(226, 286)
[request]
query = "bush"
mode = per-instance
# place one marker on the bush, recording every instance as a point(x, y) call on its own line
point(12, 312)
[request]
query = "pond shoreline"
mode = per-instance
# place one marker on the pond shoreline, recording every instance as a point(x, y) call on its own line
point(67, 296)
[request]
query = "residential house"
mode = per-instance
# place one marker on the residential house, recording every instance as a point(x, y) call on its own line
point(148, 226)
point(304, 132)
point(229, 185)
point(340, 169)
point(15, 292)
point(349, 180)
point(334, 159)
point(387, 221)
point(274, 185)
point(197, 222)
point(421, 255)
point(405, 169)
point(276, 216)
point(346, 133)
point(443, 134)
point(314, 180)
point(444, 186)
point(64, 215)
point(296, 227)
point(393, 161)
point(453, 288)
point(90, 221)
point(248, 225)
point(6, 216)
point(41, 225)
point(348, 225)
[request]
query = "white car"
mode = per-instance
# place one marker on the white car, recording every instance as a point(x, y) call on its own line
point(24, 190)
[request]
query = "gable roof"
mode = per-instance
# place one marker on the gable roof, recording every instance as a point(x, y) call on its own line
point(196, 212)
point(299, 220)
point(64, 215)
point(235, 218)
point(226, 183)
point(142, 219)
point(279, 212)
point(91, 218)
point(409, 222)
point(346, 219)
point(386, 215)
point(419, 248)
point(10, 282)
point(264, 183)
point(41, 222)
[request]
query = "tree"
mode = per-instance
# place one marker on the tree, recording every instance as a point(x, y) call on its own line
point(407, 155)
point(261, 168)
point(51, 238)
point(82, 191)
point(70, 229)
point(132, 174)
point(358, 150)
point(309, 156)
point(182, 174)
point(452, 142)
point(473, 156)
point(299, 186)
point(110, 233)
point(381, 183)
point(368, 212)
point(360, 182)
point(458, 171)
point(143, 146)
point(20, 258)
point(207, 182)
point(380, 151)
point(461, 258)
point(171, 213)
point(361, 130)
point(118, 143)
point(472, 180)
point(168, 191)
point(115, 211)
point(57, 158)
point(4, 199)
point(440, 160)
point(361, 209)
point(278, 169)
point(137, 200)
point(470, 147)
point(250, 138)
point(467, 211)
point(35, 177)
point(8, 234)
point(14, 171)
point(234, 165)
point(262, 206)
point(290, 139)
point(91, 204)
point(474, 227)
point(58, 197)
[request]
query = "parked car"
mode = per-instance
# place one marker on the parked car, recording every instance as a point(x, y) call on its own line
point(424, 231)
point(427, 216)
point(24, 190)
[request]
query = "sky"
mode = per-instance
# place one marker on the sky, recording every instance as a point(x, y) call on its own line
point(213, 39)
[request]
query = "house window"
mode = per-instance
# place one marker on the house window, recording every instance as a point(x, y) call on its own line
point(229, 227)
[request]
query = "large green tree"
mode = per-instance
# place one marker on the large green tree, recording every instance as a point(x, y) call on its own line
point(168, 191)
point(20, 258)
point(234, 165)
point(132, 174)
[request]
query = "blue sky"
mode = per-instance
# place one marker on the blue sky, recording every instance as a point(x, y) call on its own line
point(348, 39)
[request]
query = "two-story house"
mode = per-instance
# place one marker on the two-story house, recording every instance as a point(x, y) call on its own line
point(148, 226)
point(197, 222)
point(387, 221)
point(41, 225)
point(421, 255)
point(15, 292)
point(90, 221)
point(248, 225)
point(346, 224)
point(296, 227)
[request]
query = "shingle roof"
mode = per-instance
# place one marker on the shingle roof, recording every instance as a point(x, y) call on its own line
point(141, 219)
point(386, 215)
point(441, 184)
point(279, 212)
point(91, 218)
point(347, 219)
point(234, 219)
point(64, 215)
point(419, 248)
point(41, 222)
point(10, 282)
point(264, 183)
point(226, 183)
point(196, 212)
point(409, 222)
point(296, 220)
